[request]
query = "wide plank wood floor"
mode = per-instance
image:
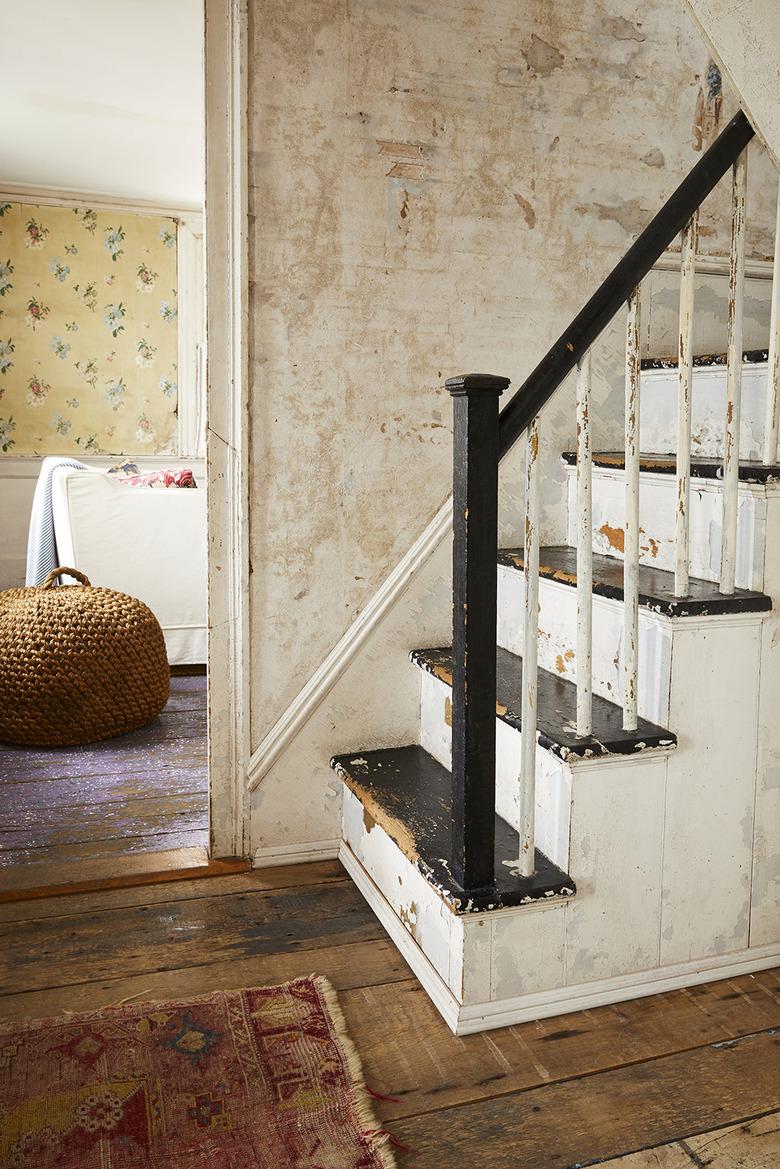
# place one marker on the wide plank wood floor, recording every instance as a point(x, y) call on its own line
point(128, 796)
point(680, 1080)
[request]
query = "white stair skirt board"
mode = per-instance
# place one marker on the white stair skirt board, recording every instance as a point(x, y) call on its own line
point(555, 778)
point(478, 1017)
point(658, 423)
point(295, 854)
point(657, 510)
point(558, 639)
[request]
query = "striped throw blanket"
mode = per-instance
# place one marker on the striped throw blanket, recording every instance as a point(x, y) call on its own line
point(41, 544)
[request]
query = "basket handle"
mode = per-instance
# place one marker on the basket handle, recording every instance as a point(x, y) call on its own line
point(57, 572)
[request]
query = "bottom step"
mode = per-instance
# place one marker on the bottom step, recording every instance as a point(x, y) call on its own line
point(409, 794)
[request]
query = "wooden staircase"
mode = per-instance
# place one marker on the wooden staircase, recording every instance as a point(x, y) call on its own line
point(589, 813)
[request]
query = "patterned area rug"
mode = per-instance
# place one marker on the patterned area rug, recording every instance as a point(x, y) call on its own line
point(251, 1079)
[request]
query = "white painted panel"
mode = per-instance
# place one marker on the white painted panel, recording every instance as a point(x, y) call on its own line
point(558, 634)
point(612, 925)
point(527, 951)
point(422, 912)
point(708, 835)
point(658, 427)
point(553, 776)
point(657, 500)
point(765, 889)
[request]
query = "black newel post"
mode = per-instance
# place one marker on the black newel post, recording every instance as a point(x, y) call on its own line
point(475, 528)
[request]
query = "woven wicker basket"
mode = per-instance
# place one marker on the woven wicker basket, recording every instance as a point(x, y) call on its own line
point(77, 664)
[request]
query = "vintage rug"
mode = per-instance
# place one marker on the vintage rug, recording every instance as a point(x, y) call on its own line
point(252, 1079)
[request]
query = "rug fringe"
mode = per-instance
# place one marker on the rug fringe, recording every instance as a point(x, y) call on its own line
point(380, 1140)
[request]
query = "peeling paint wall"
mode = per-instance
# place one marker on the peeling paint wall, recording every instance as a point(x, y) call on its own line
point(745, 37)
point(435, 189)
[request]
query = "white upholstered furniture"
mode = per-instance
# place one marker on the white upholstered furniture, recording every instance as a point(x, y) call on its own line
point(146, 541)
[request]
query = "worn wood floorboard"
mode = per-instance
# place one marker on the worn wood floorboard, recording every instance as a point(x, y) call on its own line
point(122, 896)
point(117, 847)
point(595, 1117)
point(754, 1145)
point(52, 877)
point(142, 792)
point(640, 1085)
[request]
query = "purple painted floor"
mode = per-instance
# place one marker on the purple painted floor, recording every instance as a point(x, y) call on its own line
point(143, 792)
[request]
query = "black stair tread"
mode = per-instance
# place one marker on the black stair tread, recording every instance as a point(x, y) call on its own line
point(702, 467)
point(749, 357)
point(656, 586)
point(556, 710)
point(409, 793)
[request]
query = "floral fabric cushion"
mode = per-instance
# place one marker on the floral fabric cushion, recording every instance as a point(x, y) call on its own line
point(168, 478)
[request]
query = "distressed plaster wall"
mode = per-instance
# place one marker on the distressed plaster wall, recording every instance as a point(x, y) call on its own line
point(434, 189)
point(745, 37)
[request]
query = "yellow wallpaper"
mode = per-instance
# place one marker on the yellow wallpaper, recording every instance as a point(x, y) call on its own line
point(88, 331)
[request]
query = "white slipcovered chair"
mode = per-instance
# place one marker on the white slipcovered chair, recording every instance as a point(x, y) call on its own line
point(149, 542)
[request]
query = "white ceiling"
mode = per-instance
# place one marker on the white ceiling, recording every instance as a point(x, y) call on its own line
point(103, 97)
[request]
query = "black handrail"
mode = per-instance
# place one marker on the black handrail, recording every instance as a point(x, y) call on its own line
point(540, 386)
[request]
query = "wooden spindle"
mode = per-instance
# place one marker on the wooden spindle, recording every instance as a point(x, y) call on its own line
point(584, 655)
point(728, 548)
point(631, 531)
point(772, 424)
point(527, 817)
point(474, 571)
point(684, 392)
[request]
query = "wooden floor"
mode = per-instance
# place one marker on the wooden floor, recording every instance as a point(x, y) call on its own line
point(133, 795)
point(690, 1078)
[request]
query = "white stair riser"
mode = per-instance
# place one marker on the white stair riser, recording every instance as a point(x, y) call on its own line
point(658, 411)
point(558, 639)
point(657, 509)
point(553, 776)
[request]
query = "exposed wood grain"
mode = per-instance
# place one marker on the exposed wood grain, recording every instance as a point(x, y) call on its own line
point(123, 784)
point(50, 876)
point(114, 943)
point(43, 827)
point(235, 876)
point(628, 1086)
point(593, 1118)
point(142, 792)
point(352, 965)
point(754, 1145)
point(118, 847)
point(446, 1070)
point(663, 1157)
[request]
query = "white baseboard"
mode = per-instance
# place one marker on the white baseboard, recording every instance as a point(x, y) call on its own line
point(466, 1020)
point(295, 854)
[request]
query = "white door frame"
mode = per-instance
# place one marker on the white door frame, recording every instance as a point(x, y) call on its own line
point(227, 423)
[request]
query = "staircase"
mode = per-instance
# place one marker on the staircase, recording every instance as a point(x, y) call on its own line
point(592, 808)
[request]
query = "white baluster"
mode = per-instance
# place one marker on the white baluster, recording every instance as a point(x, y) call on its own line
point(728, 548)
point(773, 367)
point(631, 531)
point(584, 657)
point(685, 372)
point(527, 818)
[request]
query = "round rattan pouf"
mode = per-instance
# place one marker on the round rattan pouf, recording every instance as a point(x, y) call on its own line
point(77, 664)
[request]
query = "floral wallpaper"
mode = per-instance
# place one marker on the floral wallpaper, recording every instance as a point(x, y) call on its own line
point(88, 331)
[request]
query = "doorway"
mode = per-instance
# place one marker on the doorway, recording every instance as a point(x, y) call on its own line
point(142, 802)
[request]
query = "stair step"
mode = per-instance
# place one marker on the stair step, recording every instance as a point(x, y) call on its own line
point(750, 470)
point(707, 360)
point(409, 794)
point(556, 710)
point(558, 562)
